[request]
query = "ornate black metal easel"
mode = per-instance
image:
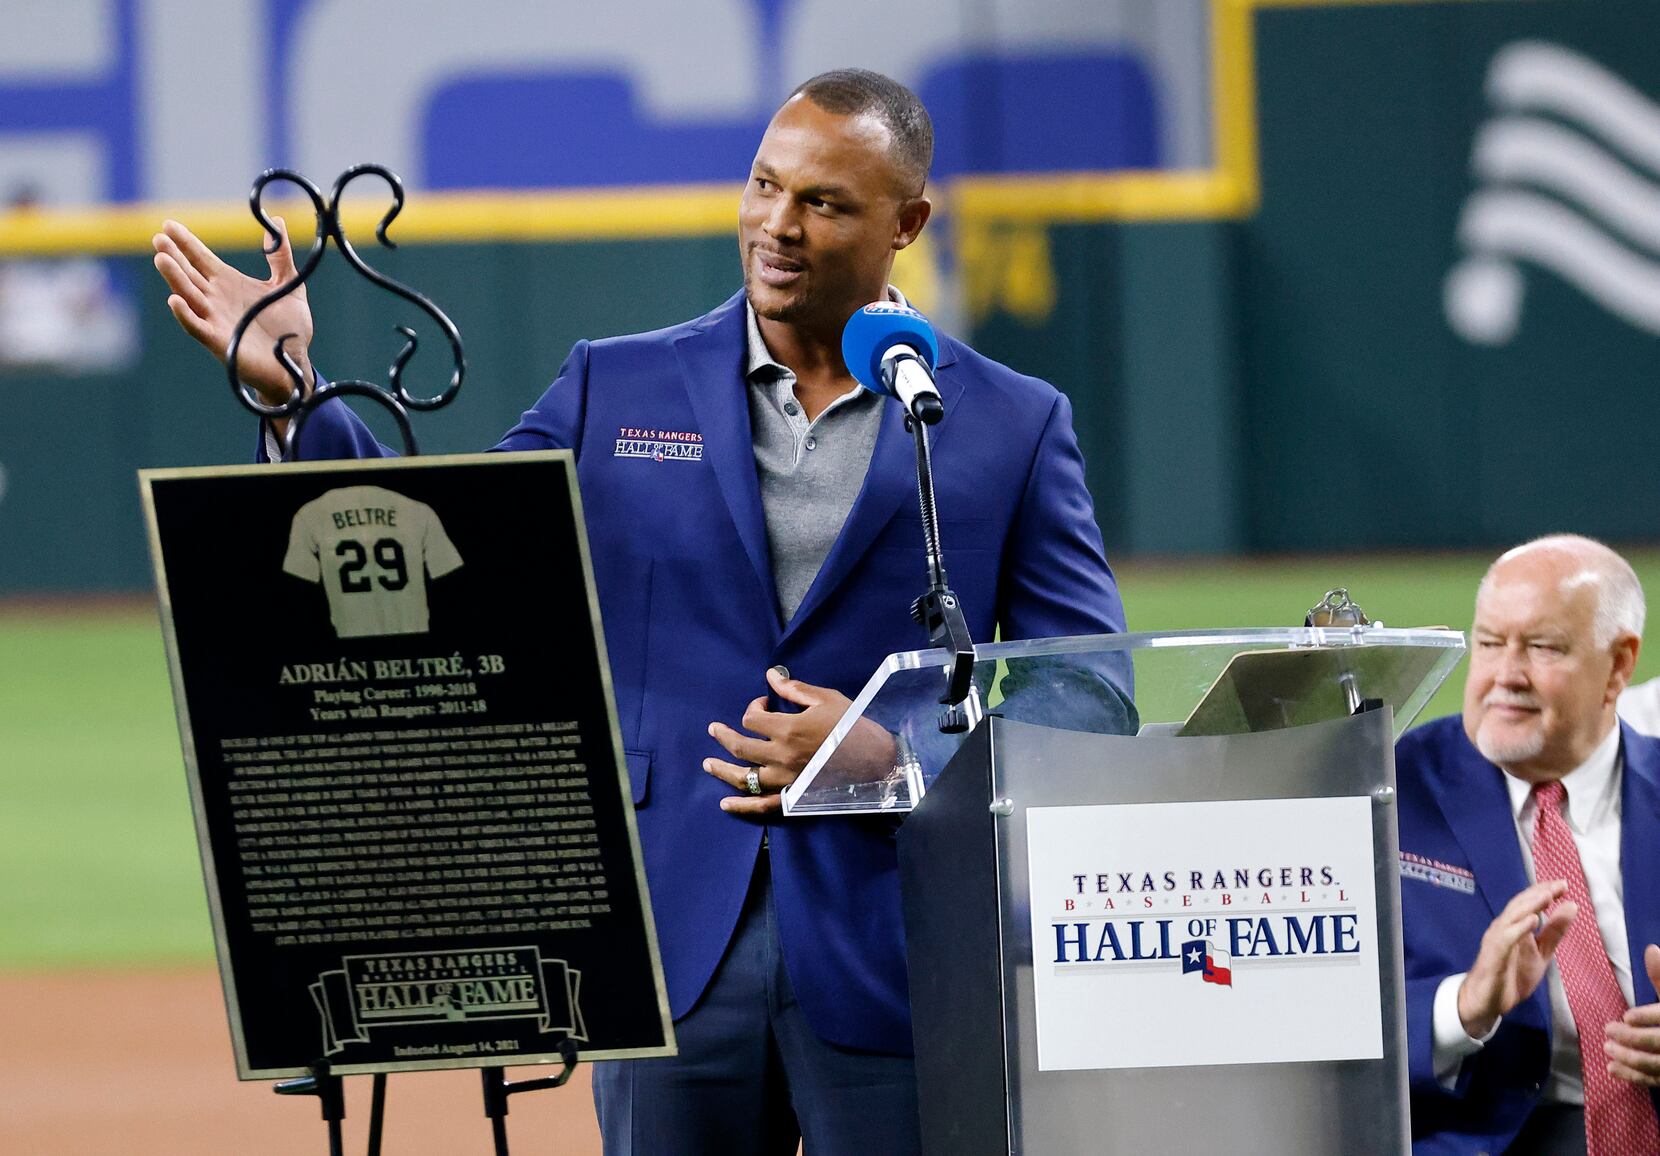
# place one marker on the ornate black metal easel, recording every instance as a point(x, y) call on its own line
point(395, 396)
point(497, 1089)
point(330, 1091)
point(331, 1094)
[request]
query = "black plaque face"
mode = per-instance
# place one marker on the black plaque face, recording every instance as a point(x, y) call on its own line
point(414, 814)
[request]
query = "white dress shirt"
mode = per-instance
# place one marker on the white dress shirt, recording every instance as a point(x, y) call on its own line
point(1640, 706)
point(1593, 815)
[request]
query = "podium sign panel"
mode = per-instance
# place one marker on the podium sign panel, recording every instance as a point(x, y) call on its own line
point(995, 1078)
point(414, 814)
point(1242, 931)
point(1151, 899)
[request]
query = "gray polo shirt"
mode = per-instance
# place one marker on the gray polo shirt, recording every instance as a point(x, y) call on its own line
point(810, 472)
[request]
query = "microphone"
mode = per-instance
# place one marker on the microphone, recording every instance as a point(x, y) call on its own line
point(891, 349)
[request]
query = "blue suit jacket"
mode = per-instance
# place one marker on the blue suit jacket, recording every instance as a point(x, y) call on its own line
point(691, 622)
point(1456, 811)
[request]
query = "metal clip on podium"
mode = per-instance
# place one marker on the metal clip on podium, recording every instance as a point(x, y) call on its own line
point(1166, 921)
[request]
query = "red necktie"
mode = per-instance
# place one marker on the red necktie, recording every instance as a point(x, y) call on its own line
point(1619, 1117)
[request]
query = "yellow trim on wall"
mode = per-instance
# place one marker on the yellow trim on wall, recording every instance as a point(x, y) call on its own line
point(1233, 80)
point(1065, 198)
point(1227, 191)
point(597, 215)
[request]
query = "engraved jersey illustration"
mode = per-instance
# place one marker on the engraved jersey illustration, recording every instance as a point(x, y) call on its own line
point(373, 550)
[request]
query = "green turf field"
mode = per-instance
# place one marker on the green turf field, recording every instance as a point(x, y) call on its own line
point(97, 846)
point(97, 852)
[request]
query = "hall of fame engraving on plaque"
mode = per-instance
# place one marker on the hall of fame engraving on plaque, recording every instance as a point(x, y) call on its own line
point(415, 820)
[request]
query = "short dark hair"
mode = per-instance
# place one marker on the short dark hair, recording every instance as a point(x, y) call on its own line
point(861, 92)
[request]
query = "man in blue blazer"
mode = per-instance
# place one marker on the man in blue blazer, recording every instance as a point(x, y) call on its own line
point(748, 589)
point(1530, 874)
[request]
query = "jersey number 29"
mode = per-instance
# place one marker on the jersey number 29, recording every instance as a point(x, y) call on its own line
point(392, 573)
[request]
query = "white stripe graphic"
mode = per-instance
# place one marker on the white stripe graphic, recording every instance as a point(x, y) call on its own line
point(1593, 194)
point(1537, 152)
point(1543, 77)
point(1484, 295)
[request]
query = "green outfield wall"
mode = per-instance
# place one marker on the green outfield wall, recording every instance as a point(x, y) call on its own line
point(1149, 374)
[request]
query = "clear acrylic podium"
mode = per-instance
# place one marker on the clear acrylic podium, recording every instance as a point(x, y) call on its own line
point(1149, 729)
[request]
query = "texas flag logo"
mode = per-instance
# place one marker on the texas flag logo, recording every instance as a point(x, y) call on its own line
point(1212, 963)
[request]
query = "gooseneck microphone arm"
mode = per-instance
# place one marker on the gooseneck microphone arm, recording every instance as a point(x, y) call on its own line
point(891, 349)
point(938, 610)
point(925, 500)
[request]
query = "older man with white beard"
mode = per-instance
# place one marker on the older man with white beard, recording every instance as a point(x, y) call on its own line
point(1531, 825)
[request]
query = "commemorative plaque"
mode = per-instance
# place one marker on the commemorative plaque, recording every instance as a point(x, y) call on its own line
point(414, 814)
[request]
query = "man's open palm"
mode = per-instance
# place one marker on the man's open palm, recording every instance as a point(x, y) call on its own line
point(209, 297)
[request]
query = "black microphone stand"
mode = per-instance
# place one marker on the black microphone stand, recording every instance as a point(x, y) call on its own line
point(938, 609)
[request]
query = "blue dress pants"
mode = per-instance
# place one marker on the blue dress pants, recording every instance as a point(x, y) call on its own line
point(752, 1078)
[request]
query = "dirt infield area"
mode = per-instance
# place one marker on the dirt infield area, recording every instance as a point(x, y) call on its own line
point(139, 1064)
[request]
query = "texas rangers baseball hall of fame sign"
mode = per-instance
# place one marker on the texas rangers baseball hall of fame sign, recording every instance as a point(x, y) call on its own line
point(404, 760)
point(1226, 932)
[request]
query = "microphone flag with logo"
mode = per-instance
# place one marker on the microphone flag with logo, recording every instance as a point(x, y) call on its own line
point(873, 332)
point(891, 349)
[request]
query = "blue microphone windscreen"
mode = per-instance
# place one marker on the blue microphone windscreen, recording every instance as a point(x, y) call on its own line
point(874, 330)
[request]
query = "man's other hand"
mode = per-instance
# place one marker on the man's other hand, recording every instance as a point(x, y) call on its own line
point(1516, 951)
point(209, 297)
point(1633, 1044)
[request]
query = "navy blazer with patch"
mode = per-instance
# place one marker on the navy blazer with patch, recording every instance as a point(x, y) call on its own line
point(1455, 810)
point(691, 622)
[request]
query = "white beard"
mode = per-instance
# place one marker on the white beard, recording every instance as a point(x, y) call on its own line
point(1509, 752)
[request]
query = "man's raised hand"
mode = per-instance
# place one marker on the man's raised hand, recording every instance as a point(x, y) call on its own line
point(208, 298)
point(1516, 951)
